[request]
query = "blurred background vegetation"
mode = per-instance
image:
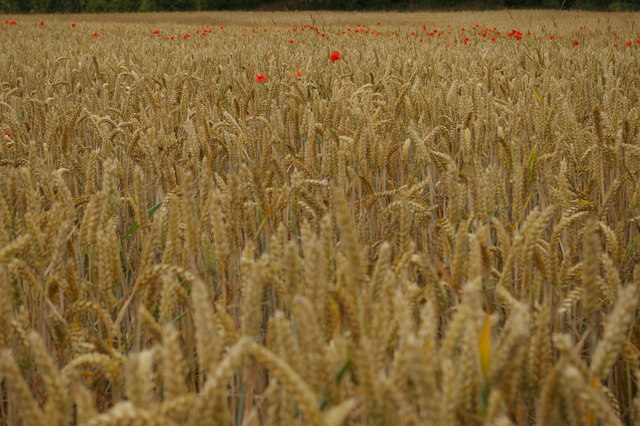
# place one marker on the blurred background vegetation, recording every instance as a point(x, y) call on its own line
point(70, 6)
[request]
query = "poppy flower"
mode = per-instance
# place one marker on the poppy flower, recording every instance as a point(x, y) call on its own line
point(297, 73)
point(260, 78)
point(7, 134)
point(335, 56)
point(576, 43)
point(186, 36)
point(73, 25)
point(628, 43)
point(41, 24)
point(638, 41)
point(96, 34)
point(291, 41)
point(156, 32)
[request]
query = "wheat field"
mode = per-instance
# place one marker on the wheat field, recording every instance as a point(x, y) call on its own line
point(320, 219)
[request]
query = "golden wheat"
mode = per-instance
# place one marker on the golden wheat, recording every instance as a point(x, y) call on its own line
point(437, 228)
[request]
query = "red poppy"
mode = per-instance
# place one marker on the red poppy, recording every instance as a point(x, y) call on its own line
point(7, 134)
point(156, 32)
point(41, 24)
point(638, 41)
point(628, 43)
point(291, 41)
point(297, 73)
point(73, 25)
point(335, 56)
point(186, 36)
point(96, 34)
point(260, 78)
point(576, 43)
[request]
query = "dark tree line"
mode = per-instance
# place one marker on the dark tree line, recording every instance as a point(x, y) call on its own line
point(172, 5)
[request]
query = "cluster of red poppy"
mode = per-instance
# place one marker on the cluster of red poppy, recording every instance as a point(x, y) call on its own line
point(360, 29)
point(515, 34)
point(457, 35)
point(314, 29)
